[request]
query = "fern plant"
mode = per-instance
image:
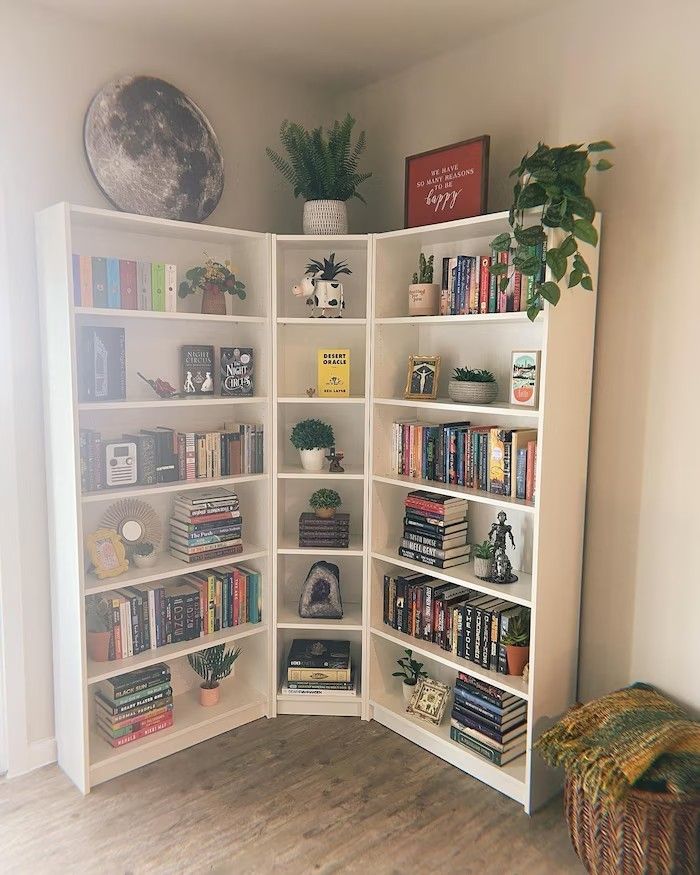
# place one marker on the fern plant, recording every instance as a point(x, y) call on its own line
point(321, 165)
point(327, 269)
point(424, 274)
point(214, 664)
point(473, 375)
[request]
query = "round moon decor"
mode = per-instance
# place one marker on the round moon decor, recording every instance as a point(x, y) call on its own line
point(152, 150)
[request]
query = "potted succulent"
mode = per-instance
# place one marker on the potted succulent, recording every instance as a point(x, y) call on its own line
point(143, 554)
point(216, 281)
point(322, 167)
point(213, 665)
point(517, 642)
point(327, 289)
point(483, 559)
point(324, 502)
point(312, 437)
point(423, 293)
point(472, 386)
point(99, 628)
point(410, 672)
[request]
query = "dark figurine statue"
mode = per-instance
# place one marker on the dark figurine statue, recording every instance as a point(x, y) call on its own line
point(502, 569)
point(335, 457)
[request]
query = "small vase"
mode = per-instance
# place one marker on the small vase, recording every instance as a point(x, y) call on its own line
point(98, 646)
point(325, 513)
point(423, 299)
point(408, 691)
point(213, 302)
point(209, 696)
point(472, 393)
point(517, 658)
point(312, 460)
point(482, 568)
point(325, 217)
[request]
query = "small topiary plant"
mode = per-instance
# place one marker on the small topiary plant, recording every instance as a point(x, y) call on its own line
point(326, 499)
point(473, 375)
point(424, 274)
point(312, 434)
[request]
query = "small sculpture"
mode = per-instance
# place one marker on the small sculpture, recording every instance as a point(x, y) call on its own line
point(502, 569)
point(311, 392)
point(320, 597)
point(162, 388)
point(320, 288)
point(335, 458)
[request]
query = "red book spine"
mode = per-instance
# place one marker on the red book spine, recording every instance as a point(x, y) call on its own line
point(141, 733)
point(502, 305)
point(517, 290)
point(236, 595)
point(530, 475)
point(213, 518)
point(127, 283)
point(406, 450)
point(484, 282)
point(434, 508)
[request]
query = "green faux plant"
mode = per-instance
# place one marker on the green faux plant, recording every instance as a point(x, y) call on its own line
point(327, 269)
point(321, 165)
point(214, 664)
point(518, 634)
point(212, 276)
point(325, 498)
point(553, 180)
point(143, 548)
point(97, 614)
point(484, 550)
point(473, 375)
point(410, 669)
point(424, 274)
point(312, 434)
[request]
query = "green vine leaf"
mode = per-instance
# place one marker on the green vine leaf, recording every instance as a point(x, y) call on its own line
point(568, 247)
point(503, 283)
point(530, 236)
point(585, 231)
point(575, 278)
point(580, 263)
point(533, 195)
point(501, 243)
point(583, 206)
point(587, 283)
point(533, 311)
point(498, 269)
point(603, 164)
point(556, 263)
point(528, 264)
point(600, 146)
point(550, 292)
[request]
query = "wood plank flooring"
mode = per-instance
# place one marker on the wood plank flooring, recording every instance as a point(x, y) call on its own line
point(294, 795)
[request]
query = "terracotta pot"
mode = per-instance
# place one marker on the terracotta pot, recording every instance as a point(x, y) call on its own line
point(312, 460)
point(325, 513)
point(517, 658)
point(98, 645)
point(482, 567)
point(213, 302)
point(208, 696)
point(408, 691)
point(423, 299)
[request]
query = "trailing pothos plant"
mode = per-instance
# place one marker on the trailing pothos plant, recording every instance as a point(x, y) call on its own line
point(553, 179)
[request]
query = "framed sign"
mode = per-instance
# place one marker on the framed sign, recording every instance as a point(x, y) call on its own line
point(447, 183)
point(422, 378)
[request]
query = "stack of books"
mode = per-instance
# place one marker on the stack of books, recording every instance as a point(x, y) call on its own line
point(488, 721)
point(319, 668)
point(435, 529)
point(206, 524)
point(317, 532)
point(134, 705)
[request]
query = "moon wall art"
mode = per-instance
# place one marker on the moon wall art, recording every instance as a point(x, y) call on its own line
point(152, 150)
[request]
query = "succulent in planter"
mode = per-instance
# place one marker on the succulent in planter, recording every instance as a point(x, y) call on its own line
point(325, 502)
point(472, 386)
point(312, 437)
point(328, 269)
point(144, 554)
point(98, 620)
point(516, 640)
point(483, 559)
point(423, 293)
point(213, 665)
point(215, 280)
point(411, 671)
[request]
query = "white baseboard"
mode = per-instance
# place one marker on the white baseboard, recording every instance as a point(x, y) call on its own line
point(38, 753)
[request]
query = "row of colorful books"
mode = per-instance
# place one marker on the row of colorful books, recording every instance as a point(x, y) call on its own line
point(319, 668)
point(206, 524)
point(468, 286)
point(164, 455)
point(490, 722)
point(133, 705)
point(435, 529)
point(121, 284)
point(488, 457)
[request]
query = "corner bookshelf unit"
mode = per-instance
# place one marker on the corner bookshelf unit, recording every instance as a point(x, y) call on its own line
point(380, 335)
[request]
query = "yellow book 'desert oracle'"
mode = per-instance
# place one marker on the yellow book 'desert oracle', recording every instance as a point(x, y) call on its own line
point(333, 373)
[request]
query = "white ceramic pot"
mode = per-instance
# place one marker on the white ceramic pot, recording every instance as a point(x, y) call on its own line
point(408, 691)
point(145, 561)
point(325, 217)
point(312, 460)
point(423, 299)
point(482, 567)
point(472, 393)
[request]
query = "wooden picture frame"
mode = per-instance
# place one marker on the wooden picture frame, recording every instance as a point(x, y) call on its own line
point(422, 385)
point(447, 183)
point(429, 700)
point(525, 378)
point(107, 553)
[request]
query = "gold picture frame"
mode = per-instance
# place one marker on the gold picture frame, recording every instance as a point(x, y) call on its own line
point(422, 378)
point(429, 700)
point(107, 553)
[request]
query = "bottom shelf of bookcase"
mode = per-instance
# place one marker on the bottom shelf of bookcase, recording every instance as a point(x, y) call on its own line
point(192, 724)
point(389, 710)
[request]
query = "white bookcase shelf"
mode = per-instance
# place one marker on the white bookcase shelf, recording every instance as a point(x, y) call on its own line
point(380, 335)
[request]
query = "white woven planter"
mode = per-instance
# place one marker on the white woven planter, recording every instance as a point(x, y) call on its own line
point(325, 217)
point(472, 393)
point(312, 460)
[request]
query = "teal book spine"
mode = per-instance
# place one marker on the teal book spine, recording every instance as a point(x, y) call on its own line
point(114, 293)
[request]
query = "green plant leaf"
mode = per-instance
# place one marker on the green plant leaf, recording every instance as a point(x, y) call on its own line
point(501, 243)
point(580, 263)
point(575, 278)
point(583, 206)
point(600, 146)
point(556, 262)
point(530, 236)
point(585, 231)
point(587, 282)
point(603, 164)
point(503, 283)
point(533, 195)
point(550, 292)
point(533, 311)
point(528, 264)
point(498, 269)
point(568, 247)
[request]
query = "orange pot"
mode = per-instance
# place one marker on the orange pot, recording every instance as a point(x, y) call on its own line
point(209, 696)
point(98, 645)
point(517, 658)
point(325, 513)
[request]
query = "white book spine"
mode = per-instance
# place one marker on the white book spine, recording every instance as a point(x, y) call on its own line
point(152, 618)
point(144, 300)
point(171, 288)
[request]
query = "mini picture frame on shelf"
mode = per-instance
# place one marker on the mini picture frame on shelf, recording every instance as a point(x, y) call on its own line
point(429, 700)
point(107, 553)
point(422, 378)
point(525, 377)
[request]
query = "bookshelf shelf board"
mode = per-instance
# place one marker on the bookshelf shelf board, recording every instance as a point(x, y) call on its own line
point(100, 671)
point(390, 710)
point(500, 409)
point(432, 651)
point(307, 320)
point(167, 402)
point(118, 313)
point(476, 495)
point(330, 706)
point(304, 399)
point(289, 546)
point(177, 486)
point(167, 566)
point(466, 319)
point(520, 592)
point(288, 618)
point(287, 472)
point(456, 231)
point(308, 241)
point(240, 704)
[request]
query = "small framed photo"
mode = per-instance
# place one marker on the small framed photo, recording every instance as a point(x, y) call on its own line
point(525, 377)
point(107, 553)
point(429, 700)
point(422, 378)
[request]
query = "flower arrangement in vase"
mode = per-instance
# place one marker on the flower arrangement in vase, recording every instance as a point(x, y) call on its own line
point(215, 280)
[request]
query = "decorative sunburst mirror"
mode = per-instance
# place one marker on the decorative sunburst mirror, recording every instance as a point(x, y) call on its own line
point(135, 522)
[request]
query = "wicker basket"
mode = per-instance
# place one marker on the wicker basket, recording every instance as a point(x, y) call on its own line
point(645, 834)
point(472, 393)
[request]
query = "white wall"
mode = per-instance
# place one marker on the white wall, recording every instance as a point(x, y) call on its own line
point(50, 67)
point(625, 71)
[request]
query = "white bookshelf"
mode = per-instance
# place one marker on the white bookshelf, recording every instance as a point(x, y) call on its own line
point(380, 334)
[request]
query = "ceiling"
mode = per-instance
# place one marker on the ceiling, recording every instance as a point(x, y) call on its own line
point(341, 44)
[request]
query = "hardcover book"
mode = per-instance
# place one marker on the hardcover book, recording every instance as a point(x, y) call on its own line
point(158, 286)
point(127, 283)
point(237, 371)
point(333, 373)
point(99, 282)
point(114, 289)
point(102, 364)
point(315, 653)
point(143, 285)
point(197, 369)
point(170, 286)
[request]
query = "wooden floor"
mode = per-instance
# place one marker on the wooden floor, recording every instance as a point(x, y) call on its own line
point(291, 795)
